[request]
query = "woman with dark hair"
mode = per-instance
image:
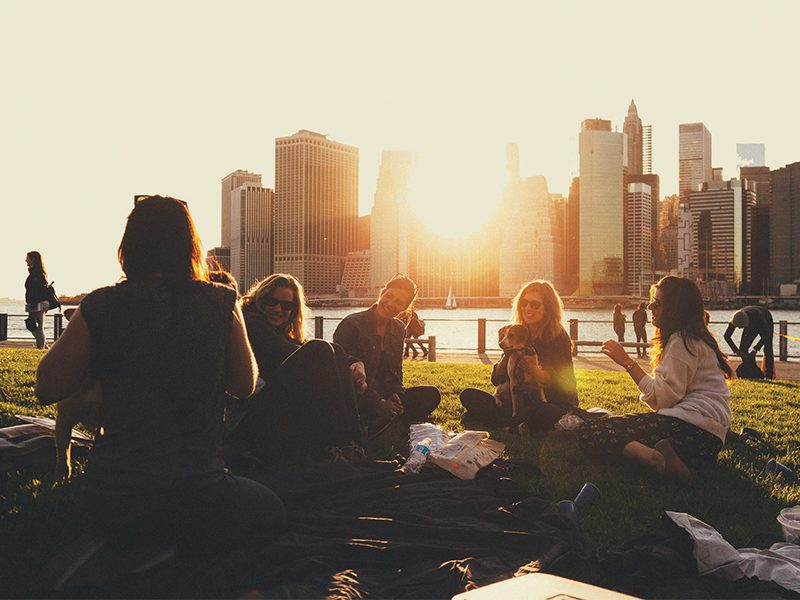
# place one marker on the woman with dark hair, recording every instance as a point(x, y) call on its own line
point(36, 297)
point(308, 408)
point(687, 391)
point(165, 345)
point(376, 337)
point(619, 322)
point(538, 306)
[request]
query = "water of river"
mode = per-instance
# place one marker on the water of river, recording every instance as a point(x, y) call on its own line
point(458, 329)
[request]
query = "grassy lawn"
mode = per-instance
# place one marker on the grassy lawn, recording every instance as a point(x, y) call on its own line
point(735, 497)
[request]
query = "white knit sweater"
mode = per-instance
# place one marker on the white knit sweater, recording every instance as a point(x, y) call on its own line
point(689, 385)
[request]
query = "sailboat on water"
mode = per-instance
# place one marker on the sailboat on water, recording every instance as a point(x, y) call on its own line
point(450, 303)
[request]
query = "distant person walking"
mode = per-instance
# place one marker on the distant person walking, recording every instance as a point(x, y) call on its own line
point(756, 322)
point(639, 319)
point(36, 297)
point(415, 327)
point(619, 322)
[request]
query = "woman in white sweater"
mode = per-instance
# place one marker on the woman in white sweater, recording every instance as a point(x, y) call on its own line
point(687, 391)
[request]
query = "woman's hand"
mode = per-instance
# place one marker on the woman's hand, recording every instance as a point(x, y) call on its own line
point(532, 364)
point(392, 405)
point(359, 375)
point(613, 350)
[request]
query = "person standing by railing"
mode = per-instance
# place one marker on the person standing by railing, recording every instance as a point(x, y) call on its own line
point(619, 322)
point(36, 297)
point(639, 319)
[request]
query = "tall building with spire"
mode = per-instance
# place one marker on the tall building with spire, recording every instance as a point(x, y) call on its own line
point(632, 128)
point(694, 158)
point(316, 208)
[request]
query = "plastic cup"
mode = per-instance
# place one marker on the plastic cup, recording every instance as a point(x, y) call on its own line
point(780, 470)
point(567, 506)
point(587, 496)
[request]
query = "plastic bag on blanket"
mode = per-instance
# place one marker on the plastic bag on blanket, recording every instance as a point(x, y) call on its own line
point(462, 454)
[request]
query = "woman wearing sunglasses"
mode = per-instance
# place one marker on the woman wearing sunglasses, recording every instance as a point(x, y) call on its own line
point(309, 402)
point(687, 392)
point(537, 306)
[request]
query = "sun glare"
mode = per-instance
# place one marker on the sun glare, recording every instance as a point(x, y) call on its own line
point(455, 194)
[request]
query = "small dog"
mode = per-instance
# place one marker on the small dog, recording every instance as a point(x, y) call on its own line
point(521, 384)
point(83, 407)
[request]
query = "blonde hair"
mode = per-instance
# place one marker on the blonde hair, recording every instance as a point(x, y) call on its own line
point(552, 304)
point(254, 298)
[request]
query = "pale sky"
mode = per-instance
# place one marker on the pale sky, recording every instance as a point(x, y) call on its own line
point(104, 100)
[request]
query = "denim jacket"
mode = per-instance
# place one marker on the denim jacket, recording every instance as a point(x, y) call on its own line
point(357, 334)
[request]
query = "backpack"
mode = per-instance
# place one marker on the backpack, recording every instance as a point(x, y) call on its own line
point(416, 327)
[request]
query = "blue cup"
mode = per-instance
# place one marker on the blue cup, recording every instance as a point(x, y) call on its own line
point(780, 470)
point(567, 506)
point(587, 496)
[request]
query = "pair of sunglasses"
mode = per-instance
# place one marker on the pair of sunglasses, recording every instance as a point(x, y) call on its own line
point(285, 304)
point(534, 304)
point(139, 197)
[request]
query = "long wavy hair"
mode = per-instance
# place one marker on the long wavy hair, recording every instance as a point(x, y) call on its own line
point(552, 325)
point(160, 240)
point(405, 283)
point(260, 290)
point(682, 313)
point(37, 268)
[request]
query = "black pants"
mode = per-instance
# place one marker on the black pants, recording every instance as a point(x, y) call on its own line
point(539, 416)
point(309, 404)
point(608, 437)
point(641, 336)
point(420, 401)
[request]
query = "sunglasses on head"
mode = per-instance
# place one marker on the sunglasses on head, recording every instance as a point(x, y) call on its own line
point(534, 304)
point(285, 304)
point(139, 197)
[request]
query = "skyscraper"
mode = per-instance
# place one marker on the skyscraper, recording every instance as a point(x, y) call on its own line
point(316, 208)
point(639, 246)
point(572, 242)
point(601, 208)
point(761, 180)
point(784, 257)
point(647, 149)
point(632, 128)
point(390, 229)
point(722, 213)
point(229, 183)
point(251, 234)
point(526, 244)
point(694, 158)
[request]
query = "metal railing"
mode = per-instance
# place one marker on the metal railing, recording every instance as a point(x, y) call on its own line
point(431, 341)
point(573, 329)
point(58, 326)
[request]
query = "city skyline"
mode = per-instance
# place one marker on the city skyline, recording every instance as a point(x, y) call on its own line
point(97, 115)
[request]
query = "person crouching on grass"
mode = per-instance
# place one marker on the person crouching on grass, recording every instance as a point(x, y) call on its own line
point(687, 391)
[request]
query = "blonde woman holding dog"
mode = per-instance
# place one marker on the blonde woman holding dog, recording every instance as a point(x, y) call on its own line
point(376, 337)
point(308, 408)
point(687, 392)
point(165, 345)
point(539, 308)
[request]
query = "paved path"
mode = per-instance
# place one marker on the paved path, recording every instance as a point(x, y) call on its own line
point(789, 370)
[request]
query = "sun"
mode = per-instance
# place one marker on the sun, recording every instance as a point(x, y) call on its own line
point(456, 192)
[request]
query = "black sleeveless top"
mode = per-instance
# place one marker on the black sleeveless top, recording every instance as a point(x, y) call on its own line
point(159, 351)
